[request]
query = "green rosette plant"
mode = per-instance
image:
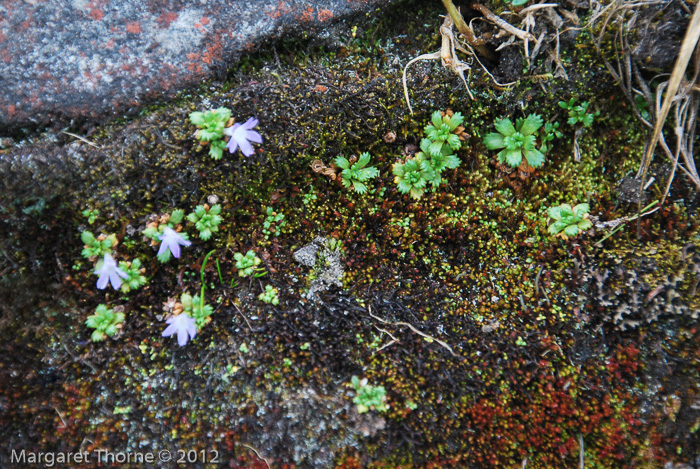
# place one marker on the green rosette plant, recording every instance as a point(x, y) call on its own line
point(193, 307)
point(206, 220)
point(516, 141)
point(135, 278)
point(105, 322)
point(97, 247)
point(211, 125)
point(246, 263)
point(567, 221)
point(164, 231)
point(368, 397)
point(578, 113)
point(437, 162)
point(441, 132)
point(270, 295)
point(412, 176)
point(354, 175)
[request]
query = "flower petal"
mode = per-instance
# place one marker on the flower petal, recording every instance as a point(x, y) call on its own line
point(246, 148)
point(171, 329)
point(250, 123)
point(115, 280)
point(232, 145)
point(182, 337)
point(254, 136)
point(164, 246)
point(192, 328)
point(174, 249)
point(102, 281)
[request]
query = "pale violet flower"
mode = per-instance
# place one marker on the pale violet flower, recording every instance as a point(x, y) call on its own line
point(109, 273)
point(241, 136)
point(171, 241)
point(184, 326)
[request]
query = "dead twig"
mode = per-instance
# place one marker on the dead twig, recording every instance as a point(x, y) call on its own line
point(414, 329)
point(448, 56)
point(267, 463)
point(688, 46)
point(81, 139)
point(467, 32)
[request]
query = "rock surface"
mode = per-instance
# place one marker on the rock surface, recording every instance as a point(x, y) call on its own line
point(63, 60)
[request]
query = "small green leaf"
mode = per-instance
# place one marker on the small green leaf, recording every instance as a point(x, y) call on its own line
point(362, 162)
point(514, 157)
point(176, 217)
point(494, 141)
point(342, 162)
point(455, 121)
point(534, 158)
point(557, 226)
point(436, 118)
point(531, 124)
point(505, 126)
point(580, 210)
point(584, 224)
point(197, 118)
point(571, 230)
point(555, 213)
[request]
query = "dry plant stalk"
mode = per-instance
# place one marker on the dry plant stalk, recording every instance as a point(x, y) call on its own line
point(679, 92)
point(448, 56)
point(683, 97)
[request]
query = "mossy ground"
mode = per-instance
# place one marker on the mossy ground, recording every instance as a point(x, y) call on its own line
point(534, 368)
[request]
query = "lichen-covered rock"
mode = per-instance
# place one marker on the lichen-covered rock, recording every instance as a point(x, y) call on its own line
point(645, 285)
point(325, 257)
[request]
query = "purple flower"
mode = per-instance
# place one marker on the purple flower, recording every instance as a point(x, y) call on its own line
point(109, 273)
point(171, 241)
point(183, 326)
point(241, 136)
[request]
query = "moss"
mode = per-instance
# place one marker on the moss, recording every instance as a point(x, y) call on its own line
point(471, 265)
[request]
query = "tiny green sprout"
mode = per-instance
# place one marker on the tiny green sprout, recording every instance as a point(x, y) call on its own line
point(412, 176)
point(135, 272)
point(549, 133)
point(273, 223)
point(520, 342)
point(368, 397)
point(518, 3)
point(287, 362)
point(305, 346)
point(206, 220)
point(354, 175)
point(440, 132)
point(411, 405)
point(246, 264)
point(243, 348)
point(91, 215)
point(192, 305)
point(642, 106)
point(578, 113)
point(269, 295)
point(516, 141)
point(569, 221)
point(97, 247)
point(105, 322)
point(211, 126)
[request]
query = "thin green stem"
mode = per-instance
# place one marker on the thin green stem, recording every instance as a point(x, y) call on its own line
point(201, 276)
